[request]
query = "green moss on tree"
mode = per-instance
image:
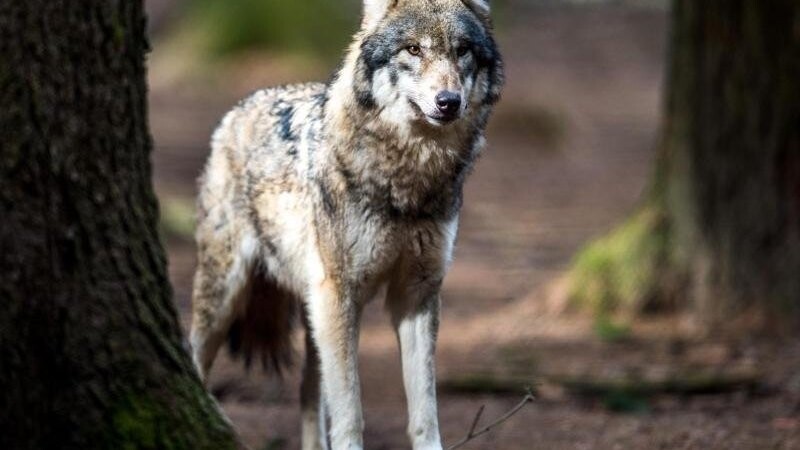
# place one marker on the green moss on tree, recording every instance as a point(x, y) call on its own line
point(720, 232)
point(621, 271)
point(93, 356)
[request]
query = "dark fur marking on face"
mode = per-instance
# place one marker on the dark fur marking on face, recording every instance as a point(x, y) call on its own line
point(377, 51)
point(486, 54)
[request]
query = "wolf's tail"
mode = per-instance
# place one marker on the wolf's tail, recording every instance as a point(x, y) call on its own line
point(264, 328)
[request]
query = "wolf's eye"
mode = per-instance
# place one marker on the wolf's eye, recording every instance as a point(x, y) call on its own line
point(462, 50)
point(413, 49)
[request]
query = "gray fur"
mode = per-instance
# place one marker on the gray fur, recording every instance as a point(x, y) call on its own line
point(327, 192)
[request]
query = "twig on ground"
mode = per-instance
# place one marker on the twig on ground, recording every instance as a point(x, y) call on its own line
point(472, 434)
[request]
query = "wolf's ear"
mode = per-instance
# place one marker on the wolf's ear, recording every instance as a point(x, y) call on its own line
point(375, 10)
point(480, 7)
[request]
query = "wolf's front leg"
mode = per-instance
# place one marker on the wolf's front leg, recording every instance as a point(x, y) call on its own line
point(415, 316)
point(334, 320)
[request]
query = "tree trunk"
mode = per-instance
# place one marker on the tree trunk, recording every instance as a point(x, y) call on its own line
point(92, 352)
point(719, 231)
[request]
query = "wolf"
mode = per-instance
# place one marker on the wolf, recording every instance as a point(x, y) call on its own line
point(318, 197)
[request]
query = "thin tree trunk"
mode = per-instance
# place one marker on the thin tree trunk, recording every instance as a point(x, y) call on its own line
point(92, 352)
point(719, 232)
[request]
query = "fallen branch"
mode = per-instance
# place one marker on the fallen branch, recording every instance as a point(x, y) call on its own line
point(472, 434)
point(486, 383)
point(678, 383)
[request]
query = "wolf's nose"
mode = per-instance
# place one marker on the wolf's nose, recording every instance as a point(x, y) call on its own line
point(448, 102)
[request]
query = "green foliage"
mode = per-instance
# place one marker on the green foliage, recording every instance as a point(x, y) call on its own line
point(177, 218)
point(625, 271)
point(147, 419)
point(320, 28)
point(136, 422)
point(610, 330)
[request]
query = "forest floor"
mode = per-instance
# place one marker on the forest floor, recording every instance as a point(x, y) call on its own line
point(570, 152)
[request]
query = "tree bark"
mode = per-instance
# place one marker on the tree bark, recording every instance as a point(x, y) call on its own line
point(719, 231)
point(92, 351)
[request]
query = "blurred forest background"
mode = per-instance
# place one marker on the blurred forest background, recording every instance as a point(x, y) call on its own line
point(546, 290)
point(629, 245)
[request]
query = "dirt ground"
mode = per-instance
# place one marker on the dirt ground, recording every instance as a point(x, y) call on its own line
point(570, 151)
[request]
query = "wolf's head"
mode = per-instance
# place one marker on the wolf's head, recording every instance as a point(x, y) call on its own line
point(430, 62)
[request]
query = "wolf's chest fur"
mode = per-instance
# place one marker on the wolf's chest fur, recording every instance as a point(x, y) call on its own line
point(404, 181)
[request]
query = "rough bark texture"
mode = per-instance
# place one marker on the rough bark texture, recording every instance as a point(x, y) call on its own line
point(720, 229)
point(92, 352)
point(734, 130)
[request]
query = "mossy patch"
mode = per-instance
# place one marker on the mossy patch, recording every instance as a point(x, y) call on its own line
point(627, 271)
point(612, 330)
point(186, 418)
point(136, 423)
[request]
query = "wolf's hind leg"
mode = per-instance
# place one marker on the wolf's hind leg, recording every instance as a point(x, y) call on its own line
point(218, 295)
point(313, 408)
